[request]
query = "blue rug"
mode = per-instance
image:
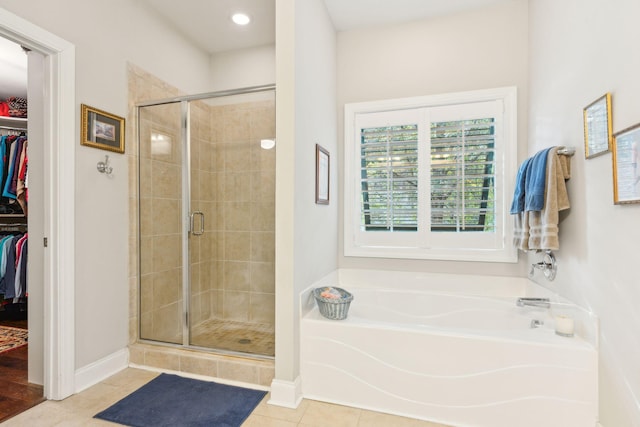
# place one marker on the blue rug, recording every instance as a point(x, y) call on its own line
point(171, 400)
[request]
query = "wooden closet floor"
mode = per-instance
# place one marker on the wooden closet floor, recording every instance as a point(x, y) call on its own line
point(16, 394)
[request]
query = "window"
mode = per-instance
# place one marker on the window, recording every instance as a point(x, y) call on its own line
point(426, 177)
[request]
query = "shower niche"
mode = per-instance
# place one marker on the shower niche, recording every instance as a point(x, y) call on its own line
point(206, 221)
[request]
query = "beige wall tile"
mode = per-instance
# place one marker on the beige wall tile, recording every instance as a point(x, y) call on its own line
point(167, 252)
point(167, 287)
point(238, 371)
point(136, 355)
point(236, 276)
point(237, 216)
point(146, 217)
point(236, 187)
point(237, 245)
point(166, 179)
point(263, 277)
point(167, 323)
point(146, 293)
point(262, 308)
point(263, 216)
point(163, 359)
point(263, 246)
point(165, 215)
point(236, 306)
point(199, 365)
point(236, 124)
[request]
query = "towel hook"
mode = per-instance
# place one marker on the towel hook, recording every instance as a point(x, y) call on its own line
point(547, 265)
point(104, 167)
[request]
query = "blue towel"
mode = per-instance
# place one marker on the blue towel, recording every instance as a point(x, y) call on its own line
point(517, 205)
point(535, 181)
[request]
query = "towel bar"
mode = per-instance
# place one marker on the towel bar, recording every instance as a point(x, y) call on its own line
point(566, 151)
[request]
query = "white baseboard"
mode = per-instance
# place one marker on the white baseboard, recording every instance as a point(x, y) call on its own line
point(101, 369)
point(286, 393)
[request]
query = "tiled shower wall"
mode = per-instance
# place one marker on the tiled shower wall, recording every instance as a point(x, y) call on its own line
point(245, 199)
point(233, 183)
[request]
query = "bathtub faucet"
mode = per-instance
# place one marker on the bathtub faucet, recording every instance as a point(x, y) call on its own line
point(534, 302)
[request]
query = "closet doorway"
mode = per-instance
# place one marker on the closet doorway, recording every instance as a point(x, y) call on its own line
point(19, 388)
point(207, 221)
point(51, 83)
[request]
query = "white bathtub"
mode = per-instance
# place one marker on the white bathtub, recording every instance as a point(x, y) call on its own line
point(430, 347)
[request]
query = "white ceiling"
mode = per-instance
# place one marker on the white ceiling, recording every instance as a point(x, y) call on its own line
point(207, 23)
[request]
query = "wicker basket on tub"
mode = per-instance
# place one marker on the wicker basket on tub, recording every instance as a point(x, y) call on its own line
point(333, 308)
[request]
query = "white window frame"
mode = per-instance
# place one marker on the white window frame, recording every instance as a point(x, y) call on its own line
point(432, 245)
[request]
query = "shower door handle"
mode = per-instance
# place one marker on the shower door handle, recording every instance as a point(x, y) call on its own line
point(192, 221)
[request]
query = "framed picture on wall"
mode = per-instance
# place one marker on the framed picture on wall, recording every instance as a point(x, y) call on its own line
point(597, 127)
point(102, 130)
point(322, 175)
point(626, 165)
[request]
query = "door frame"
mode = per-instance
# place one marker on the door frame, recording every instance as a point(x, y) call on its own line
point(59, 199)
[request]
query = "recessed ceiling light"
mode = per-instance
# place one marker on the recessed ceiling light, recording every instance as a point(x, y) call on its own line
point(240, 18)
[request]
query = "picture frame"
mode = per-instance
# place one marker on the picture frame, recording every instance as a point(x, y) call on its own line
point(626, 166)
point(100, 129)
point(598, 129)
point(323, 160)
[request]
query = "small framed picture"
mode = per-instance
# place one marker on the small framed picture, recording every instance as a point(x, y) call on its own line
point(102, 130)
point(626, 166)
point(597, 127)
point(322, 175)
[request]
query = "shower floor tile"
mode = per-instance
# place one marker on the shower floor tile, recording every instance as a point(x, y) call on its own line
point(236, 336)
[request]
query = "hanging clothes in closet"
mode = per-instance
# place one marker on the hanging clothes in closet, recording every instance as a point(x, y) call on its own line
point(13, 174)
point(13, 268)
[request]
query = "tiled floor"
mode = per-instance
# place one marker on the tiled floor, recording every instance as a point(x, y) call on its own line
point(78, 410)
point(235, 336)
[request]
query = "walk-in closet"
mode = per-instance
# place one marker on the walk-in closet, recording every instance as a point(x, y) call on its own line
point(16, 392)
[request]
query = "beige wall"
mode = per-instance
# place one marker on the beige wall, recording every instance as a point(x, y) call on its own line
point(469, 51)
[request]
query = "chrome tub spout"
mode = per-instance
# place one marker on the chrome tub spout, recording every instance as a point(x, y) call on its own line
point(534, 302)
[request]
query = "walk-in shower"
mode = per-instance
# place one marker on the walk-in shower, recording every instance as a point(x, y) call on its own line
point(206, 221)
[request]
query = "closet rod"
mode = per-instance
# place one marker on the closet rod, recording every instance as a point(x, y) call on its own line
point(13, 128)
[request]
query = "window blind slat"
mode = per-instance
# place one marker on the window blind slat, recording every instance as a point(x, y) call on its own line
point(462, 175)
point(389, 159)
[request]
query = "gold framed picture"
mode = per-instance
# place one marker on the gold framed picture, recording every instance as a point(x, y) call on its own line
point(597, 127)
point(626, 166)
point(102, 130)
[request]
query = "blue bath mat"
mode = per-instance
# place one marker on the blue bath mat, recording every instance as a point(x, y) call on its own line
point(171, 400)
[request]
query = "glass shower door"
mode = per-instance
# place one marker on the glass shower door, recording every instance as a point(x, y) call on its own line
point(160, 223)
point(207, 222)
point(232, 298)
